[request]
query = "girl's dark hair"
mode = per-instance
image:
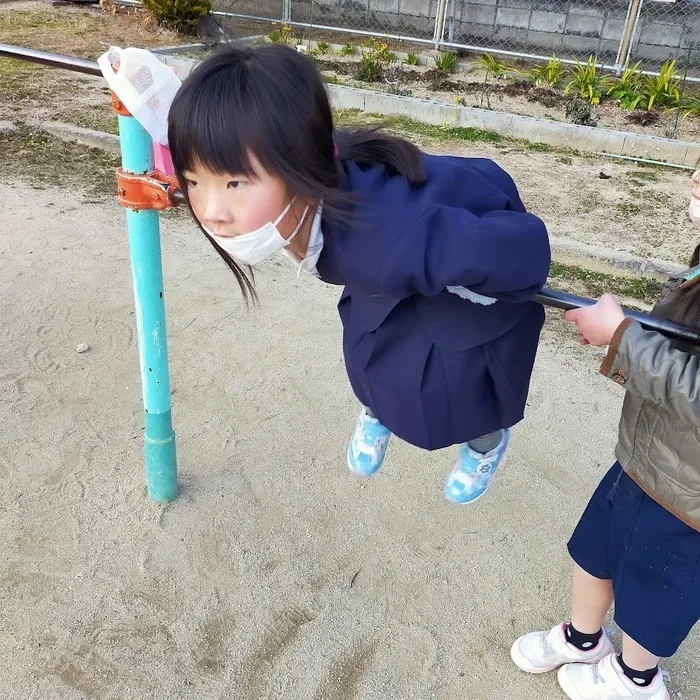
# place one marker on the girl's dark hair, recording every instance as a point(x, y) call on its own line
point(270, 102)
point(685, 306)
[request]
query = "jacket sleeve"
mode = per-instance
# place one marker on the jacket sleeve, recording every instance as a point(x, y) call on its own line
point(646, 363)
point(502, 254)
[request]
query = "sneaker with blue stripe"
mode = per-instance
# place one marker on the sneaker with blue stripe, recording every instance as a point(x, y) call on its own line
point(368, 445)
point(474, 472)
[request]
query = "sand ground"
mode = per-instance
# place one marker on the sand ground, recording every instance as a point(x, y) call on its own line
point(277, 574)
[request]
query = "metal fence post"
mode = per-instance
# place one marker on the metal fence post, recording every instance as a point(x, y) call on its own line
point(623, 53)
point(147, 272)
point(439, 34)
point(286, 10)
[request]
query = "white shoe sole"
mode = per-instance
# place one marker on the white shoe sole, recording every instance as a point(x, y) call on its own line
point(524, 665)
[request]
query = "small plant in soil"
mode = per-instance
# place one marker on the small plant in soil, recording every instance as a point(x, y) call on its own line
point(663, 90)
point(691, 106)
point(492, 67)
point(580, 111)
point(349, 50)
point(628, 90)
point(411, 59)
point(446, 62)
point(548, 75)
point(323, 47)
point(587, 82)
point(282, 34)
point(369, 71)
point(375, 59)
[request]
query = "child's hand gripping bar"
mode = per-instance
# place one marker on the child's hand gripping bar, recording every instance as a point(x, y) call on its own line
point(562, 300)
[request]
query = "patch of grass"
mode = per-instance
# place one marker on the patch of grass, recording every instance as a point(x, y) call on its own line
point(538, 147)
point(441, 133)
point(595, 284)
point(407, 127)
point(645, 175)
point(348, 50)
point(590, 201)
point(565, 160)
point(20, 80)
point(628, 208)
point(331, 79)
point(97, 118)
point(43, 160)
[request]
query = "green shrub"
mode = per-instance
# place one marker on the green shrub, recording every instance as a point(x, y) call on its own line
point(182, 16)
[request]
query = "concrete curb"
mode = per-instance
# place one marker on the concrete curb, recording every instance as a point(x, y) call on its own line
point(564, 250)
point(88, 137)
point(586, 139)
point(597, 258)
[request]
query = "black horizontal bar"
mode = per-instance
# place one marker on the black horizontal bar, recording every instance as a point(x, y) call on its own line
point(565, 301)
point(55, 60)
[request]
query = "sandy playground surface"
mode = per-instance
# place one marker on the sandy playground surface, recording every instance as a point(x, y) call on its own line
point(277, 574)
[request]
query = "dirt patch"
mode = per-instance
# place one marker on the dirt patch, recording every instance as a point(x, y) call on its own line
point(81, 32)
point(29, 92)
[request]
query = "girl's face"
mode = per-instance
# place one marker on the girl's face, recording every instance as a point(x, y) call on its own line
point(231, 205)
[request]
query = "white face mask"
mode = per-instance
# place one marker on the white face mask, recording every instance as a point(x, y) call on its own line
point(252, 248)
point(694, 211)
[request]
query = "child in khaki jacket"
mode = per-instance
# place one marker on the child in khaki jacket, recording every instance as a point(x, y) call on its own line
point(638, 541)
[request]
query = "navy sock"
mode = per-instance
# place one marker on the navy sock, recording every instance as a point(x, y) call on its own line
point(639, 678)
point(583, 642)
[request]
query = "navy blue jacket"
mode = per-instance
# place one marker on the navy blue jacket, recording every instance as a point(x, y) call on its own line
point(434, 368)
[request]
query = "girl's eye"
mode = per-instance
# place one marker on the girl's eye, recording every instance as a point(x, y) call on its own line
point(235, 184)
point(191, 183)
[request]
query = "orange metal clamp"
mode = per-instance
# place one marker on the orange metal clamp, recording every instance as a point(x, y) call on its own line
point(150, 191)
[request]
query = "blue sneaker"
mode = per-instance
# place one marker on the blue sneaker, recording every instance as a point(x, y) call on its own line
point(368, 445)
point(474, 472)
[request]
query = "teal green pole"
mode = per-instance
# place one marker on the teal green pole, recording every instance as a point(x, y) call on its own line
point(147, 273)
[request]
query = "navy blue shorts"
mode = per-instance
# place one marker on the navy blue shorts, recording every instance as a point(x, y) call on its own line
point(652, 558)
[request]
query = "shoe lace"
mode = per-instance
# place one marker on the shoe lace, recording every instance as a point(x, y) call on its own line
point(546, 646)
point(597, 678)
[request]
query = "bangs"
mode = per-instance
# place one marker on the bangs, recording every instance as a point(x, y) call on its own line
point(215, 123)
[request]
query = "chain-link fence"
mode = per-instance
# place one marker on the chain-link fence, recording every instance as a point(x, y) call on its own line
point(614, 31)
point(661, 31)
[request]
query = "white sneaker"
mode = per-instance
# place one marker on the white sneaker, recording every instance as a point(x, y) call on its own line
point(606, 681)
point(540, 652)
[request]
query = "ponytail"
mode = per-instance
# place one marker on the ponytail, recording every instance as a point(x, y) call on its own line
point(375, 147)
